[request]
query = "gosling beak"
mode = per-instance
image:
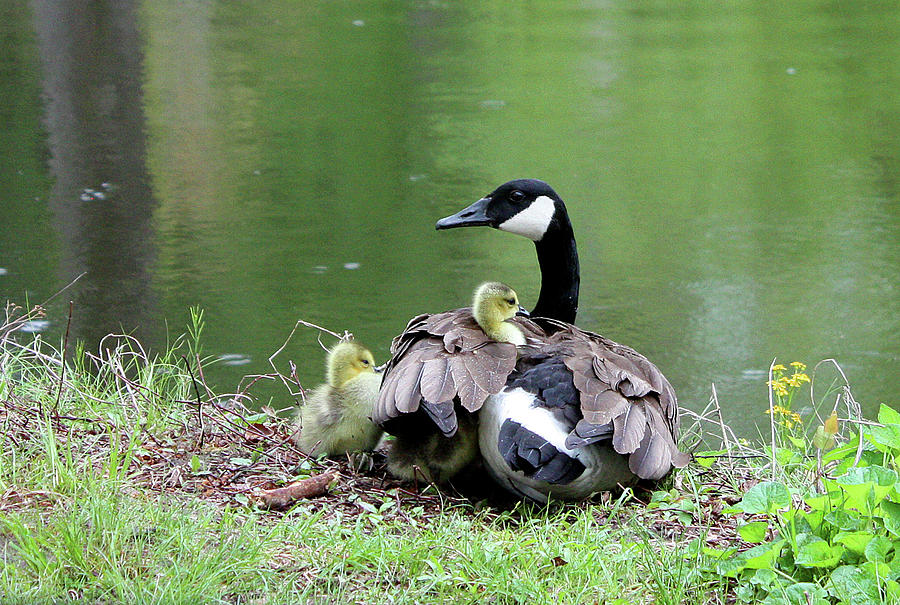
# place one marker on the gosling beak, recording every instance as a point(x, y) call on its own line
point(380, 369)
point(522, 312)
point(473, 216)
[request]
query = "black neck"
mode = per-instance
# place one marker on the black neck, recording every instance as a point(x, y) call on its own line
point(558, 258)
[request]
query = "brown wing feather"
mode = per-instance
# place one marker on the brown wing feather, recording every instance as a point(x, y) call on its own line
point(444, 358)
point(620, 386)
point(437, 383)
point(629, 428)
point(603, 407)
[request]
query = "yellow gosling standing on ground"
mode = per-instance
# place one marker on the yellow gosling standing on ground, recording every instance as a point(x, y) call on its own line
point(337, 415)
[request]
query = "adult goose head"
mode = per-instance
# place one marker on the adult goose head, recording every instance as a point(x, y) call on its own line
point(580, 413)
point(530, 208)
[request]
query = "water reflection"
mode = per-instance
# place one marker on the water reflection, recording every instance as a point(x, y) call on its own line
point(101, 201)
point(731, 174)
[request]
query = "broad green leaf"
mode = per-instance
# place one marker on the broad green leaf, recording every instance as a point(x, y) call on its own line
point(822, 440)
point(803, 593)
point(798, 443)
point(878, 570)
point(887, 436)
point(890, 513)
point(854, 541)
point(822, 502)
point(813, 551)
point(809, 522)
point(765, 578)
point(754, 532)
point(865, 487)
point(851, 584)
point(848, 450)
point(888, 415)
point(786, 456)
point(880, 476)
point(705, 462)
point(878, 548)
point(765, 497)
point(892, 588)
point(745, 593)
point(758, 557)
point(847, 520)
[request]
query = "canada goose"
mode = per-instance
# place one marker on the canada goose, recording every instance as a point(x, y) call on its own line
point(579, 413)
point(443, 367)
point(336, 416)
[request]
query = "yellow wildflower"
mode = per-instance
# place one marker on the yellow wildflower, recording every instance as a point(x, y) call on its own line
point(799, 365)
point(779, 386)
point(779, 368)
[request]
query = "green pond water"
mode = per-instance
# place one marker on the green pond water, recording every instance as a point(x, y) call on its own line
point(732, 171)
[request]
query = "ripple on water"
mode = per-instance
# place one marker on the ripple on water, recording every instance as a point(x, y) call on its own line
point(234, 359)
point(754, 374)
point(35, 325)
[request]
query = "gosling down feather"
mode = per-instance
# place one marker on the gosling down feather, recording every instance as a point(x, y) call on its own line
point(336, 417)
point(577, 413)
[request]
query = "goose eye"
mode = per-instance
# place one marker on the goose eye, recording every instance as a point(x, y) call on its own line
point(516, 196)
point(511, 301)
point(365, 362)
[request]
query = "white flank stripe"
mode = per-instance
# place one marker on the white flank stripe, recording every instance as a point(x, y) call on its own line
point(533, 221)
point(518, 405)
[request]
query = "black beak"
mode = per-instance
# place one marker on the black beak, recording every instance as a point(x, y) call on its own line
point(522, 312)
point(473, 216)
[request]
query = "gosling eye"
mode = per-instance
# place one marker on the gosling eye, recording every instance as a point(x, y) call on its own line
point(511, 301)
point(516, 196)
point(365, 362)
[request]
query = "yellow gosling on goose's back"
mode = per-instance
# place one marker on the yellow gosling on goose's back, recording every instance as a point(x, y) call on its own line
point(493, 304)
point(337, 415)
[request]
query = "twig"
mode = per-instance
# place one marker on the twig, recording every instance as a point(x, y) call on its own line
point(718, 410)
point(199, 402)
point(62, 372)
point(772, 420)
point(282, 497)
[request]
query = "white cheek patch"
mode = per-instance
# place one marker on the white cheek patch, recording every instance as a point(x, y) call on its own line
point(533, 221)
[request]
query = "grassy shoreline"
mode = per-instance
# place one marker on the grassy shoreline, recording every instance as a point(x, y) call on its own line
point(124, 479)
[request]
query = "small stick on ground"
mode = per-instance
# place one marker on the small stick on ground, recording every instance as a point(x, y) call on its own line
point(283, 497)
point(62, 371)
point(199, 401)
